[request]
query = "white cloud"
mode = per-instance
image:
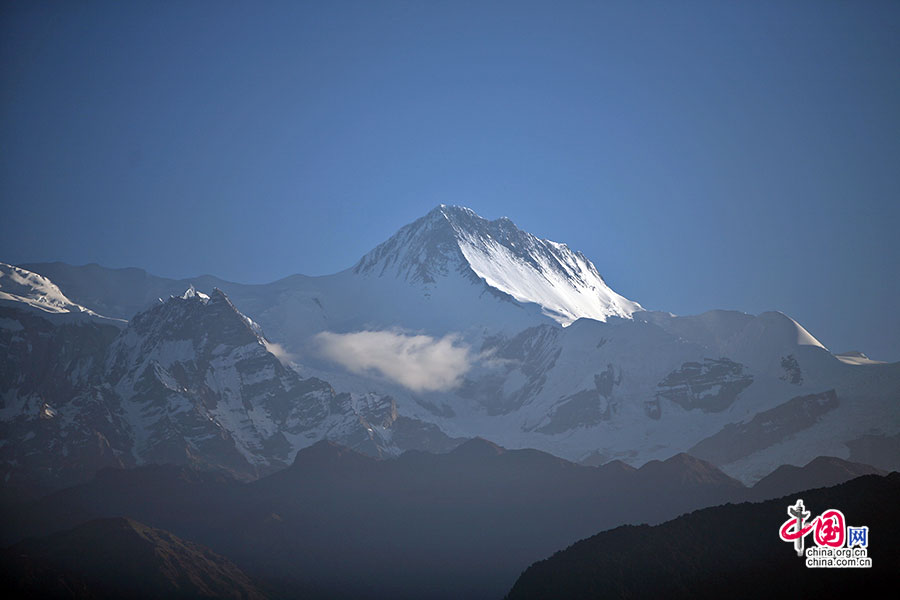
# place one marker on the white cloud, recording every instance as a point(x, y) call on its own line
point(283, 356)
point(418, 362)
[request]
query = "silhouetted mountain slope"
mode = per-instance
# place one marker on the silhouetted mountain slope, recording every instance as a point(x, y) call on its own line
point(452, 525)
point(337, 522)
point(824, 471)
point(176, 498)
point(120, 558)
point(730, 551)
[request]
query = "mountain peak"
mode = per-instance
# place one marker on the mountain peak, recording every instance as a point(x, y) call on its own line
point(181, 325)
point(477, 447)
point(464, 220)
point(821, 471)
point(684, 468)
point(448, 210)
point(456, 240)
point(193, 293)
point(326, 456)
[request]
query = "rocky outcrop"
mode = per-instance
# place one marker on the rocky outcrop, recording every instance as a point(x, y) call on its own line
point(738, 440)
point(189, 381)
point(710, 386)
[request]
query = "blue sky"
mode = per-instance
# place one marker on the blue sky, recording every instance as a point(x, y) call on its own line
point(740, 155)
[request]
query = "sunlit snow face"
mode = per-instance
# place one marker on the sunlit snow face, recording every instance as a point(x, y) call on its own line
point(418, 362)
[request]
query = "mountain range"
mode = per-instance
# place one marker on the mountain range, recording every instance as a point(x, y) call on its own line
point(456, 327)
point(337, 523)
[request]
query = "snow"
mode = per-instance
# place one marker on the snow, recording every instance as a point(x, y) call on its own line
point(804, 338)
point(856, 358)
point(19, 285)
point(192, 293)
point(453, 239)
point(569, 290)
point(453, 273)
point(22, 287)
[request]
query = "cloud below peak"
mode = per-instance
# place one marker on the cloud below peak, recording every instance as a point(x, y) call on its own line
point(420, 363)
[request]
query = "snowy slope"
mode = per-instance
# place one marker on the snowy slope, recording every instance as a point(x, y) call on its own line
point(565, 284)
point(22, 288)
point(639, 390)
point(517, 339)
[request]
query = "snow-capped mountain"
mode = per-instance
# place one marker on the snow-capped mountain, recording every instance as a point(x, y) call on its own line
point(457, 327)
point(565, 284)
point(193, 376)
point(189, 381)
point(450, 271)
point(745, 392)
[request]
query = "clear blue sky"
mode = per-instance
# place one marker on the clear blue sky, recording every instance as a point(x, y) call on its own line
point(739, 155)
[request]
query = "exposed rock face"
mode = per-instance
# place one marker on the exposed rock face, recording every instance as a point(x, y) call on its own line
point(586, 407)
point(189, 381)
point(792, 372)
point(196, 380)
point(711, 386)
point(525, 359)
point(736, 441)
point(55, 421)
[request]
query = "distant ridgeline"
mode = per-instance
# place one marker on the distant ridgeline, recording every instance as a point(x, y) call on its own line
point(455, 327)
point(337, 523)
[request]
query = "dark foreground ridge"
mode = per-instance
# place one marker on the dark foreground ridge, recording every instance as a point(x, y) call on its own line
point(730, 551)
point(337, 523)
point(119, 558)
